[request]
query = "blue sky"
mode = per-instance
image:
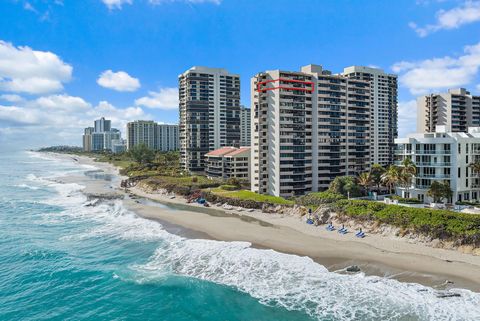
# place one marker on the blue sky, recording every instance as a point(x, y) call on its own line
point(64, 63)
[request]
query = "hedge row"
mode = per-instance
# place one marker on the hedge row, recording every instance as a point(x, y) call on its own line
point(442, 224)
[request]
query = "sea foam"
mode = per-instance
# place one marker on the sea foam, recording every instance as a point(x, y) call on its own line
point(274, 278)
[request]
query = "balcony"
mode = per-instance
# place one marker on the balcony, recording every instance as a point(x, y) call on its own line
point(434, 164)
point(433, 176)
point(433, 152)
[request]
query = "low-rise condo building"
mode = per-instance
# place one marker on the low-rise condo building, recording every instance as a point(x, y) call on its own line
point(119, 146)
point(443, 156)
point(228, 162)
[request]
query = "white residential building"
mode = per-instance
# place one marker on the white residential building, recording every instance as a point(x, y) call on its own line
point(228, 162)
point(119, 146)
point(384, 111)
point(166, 137)
point(209, 105)
point(161, 137)
point(442, 156)
point(141, 132)
point(245, 126)
point(456, 109)
point(100, 137)
point(307, 128)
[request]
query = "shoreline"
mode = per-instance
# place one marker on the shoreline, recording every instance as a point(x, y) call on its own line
point(375, 254)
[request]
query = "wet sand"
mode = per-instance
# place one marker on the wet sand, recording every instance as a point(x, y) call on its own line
point(375, 254)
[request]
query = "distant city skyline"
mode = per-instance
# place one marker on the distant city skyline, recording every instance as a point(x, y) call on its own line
point(77, 61)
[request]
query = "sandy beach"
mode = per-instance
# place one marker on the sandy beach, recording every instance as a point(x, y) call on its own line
point(378, 255)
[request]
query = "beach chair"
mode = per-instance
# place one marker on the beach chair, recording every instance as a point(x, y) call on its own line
point(330, 227)
point(360, 234)
point(343, 230)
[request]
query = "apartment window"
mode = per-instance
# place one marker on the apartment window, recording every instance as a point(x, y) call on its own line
point(466, 159)
point(459, 148)
point(459, 172)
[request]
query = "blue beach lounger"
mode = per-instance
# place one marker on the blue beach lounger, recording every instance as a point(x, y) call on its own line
point(343, 230)
point(360, 234)
point(330, 227)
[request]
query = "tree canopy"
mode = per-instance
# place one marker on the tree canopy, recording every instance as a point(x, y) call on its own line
point(142, 154)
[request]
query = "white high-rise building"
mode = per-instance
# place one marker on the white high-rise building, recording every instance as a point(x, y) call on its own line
point(245, 126)
point(209, 114)
point(384, 111)
point(166, 137)
point(457, 109)
point(100, 137)
point(443, 156)
point(307, 128)
point(141, 132)
point(161, 137)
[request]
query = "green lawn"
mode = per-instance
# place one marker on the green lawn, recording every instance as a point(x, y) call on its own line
point(248, 195)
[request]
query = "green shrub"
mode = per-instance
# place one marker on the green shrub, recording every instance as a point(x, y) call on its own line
point(406, 200)
point(442, 224)
point(229, 187)
point(467, 203)
point(319, 198)
point(252, 196)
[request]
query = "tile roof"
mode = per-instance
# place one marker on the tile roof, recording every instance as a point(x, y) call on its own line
point(221, 151)
point(238, 151)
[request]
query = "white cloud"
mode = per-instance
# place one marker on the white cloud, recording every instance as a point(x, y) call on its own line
point(166, 98)
point(119, 81)
point(116, 4)
point(11, 98)
point(35, 72)
point(439, 73)
point(59, 119)
point(454, 18)
point(28, 6)
point(407, 117)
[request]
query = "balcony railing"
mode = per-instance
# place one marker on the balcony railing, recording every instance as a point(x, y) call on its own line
point(434, 176)
point(434, 164)
point(434, 152)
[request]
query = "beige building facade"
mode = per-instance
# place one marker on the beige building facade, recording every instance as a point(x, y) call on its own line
point(307, 128)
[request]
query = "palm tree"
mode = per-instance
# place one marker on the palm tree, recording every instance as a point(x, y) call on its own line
point(391, 177)
point(407, 172)
point(377, 171)
point(365, 180)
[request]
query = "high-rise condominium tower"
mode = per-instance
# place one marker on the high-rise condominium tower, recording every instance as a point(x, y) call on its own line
point(457, 110)
point(307, 128)
point(383, 115)
point(209, 114)
point(102, 125)
point(87, 139)
point(100, 137)
point(162, 137)
point(245, 126)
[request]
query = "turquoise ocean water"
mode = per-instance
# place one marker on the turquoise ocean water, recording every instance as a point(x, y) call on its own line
point(62, 260)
